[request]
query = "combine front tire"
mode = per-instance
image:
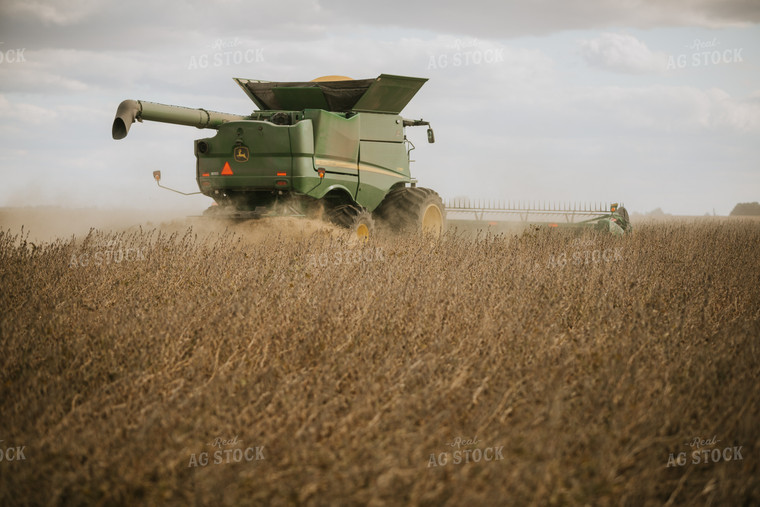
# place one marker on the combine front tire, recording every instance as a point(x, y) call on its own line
point(354, 218)
point(415, 210)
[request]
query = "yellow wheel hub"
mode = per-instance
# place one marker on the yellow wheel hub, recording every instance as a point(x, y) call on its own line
point(362, 232)
point(432, 220)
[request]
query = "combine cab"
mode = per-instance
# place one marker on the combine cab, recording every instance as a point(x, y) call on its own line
point(333, 146)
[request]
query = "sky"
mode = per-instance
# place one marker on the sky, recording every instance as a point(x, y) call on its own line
point(655, 104)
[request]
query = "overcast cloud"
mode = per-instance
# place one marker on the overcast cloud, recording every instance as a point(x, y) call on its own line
point(656, 104)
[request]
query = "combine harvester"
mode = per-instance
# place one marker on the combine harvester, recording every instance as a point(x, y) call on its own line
point(333, 147)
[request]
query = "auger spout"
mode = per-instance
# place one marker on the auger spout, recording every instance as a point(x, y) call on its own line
point(130, 111)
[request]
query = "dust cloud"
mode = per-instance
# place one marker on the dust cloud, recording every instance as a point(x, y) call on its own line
point(48, 223)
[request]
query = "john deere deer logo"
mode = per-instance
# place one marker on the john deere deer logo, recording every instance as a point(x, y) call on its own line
point(241, 154)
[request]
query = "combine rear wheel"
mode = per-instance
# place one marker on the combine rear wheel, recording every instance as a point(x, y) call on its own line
point(415, 210)
point(354, 218)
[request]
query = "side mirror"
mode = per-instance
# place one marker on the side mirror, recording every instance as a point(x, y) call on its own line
point(157, 175)
point(431, 136)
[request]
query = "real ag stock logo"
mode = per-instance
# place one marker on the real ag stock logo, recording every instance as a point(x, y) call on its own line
point(704, 54)
point(111, 253)
point(11, 452)
point(585, 254)
point(12, 55)
point(226, 52)
point(463, 53)
point(355, 256)
point(223, 456)
point(699, 455)
point(464, 453)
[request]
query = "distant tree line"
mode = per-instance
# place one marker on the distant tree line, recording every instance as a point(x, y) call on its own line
point(746, 209)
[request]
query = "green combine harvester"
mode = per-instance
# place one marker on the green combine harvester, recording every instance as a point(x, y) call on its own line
point(334, 148)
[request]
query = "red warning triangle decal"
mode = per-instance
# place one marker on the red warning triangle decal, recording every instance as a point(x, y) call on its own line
point(226, 171)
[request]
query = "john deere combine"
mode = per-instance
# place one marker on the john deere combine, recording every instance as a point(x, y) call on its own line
point(335, 146)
